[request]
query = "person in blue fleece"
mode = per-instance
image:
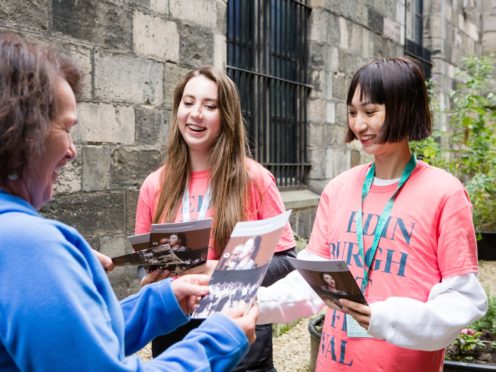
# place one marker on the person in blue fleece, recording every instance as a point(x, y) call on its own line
point(57, 309)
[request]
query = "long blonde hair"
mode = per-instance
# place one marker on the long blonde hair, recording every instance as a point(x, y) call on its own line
point(229, 177)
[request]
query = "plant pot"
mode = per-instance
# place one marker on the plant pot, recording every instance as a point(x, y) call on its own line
point(486, 246)
point(452, 366)
point(315, 329)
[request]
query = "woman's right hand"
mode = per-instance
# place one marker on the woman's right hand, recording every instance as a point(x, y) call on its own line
point(155, 276)
point(246, 322)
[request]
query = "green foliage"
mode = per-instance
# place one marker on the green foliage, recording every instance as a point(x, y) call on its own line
point(471, 152)
point(476, 340)
point(488, 322)
point(466, 345)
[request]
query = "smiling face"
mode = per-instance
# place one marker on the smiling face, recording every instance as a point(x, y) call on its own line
point(366, 119)
point(42, 172)
point(198, 115)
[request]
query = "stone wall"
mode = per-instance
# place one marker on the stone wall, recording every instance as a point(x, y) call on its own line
point(134, 51)
point(346, 34)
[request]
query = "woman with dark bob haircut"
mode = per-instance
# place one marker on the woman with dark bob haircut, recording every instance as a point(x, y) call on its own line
point(404, 229)
point(58, 311)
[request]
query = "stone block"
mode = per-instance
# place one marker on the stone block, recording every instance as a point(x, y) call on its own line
point(355, 39)
point(129, 167)
point(196, 46)
point(172, 76)
point(30, 14)
point(96, 168)
point(343, 33)
point(316, 110)
point(472, 31)
point(222, 17)
point(400, 13)
point(100, 122)
point(203, 13)
point(367, 44)
point(330, 162)
point(124, 281)
point(151, 126)
point(159, 6)
point(325, 135)
point(305, 218)
point(332, 60)
point(340, 85)
point(131, 203)
point(115, 245)
point(317, 55)
point(128, 79)
point(319, 26)
point(155, 38)
point(342, 114)
point(220, 52)
point(83, 58)
point(102, 23)
point(392, 30)
point(334, 30)
point(317, 185)
point(92, 214)
point(330, 112)
point(69, 179)
point(317, 80)
point(375, 21)
point(489, 42)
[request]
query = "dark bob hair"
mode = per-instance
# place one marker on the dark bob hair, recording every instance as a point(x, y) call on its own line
point(399, 84)
point(28, 78)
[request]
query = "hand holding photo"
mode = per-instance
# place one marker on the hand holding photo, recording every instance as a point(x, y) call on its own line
point(331, 280)
point(243, 264)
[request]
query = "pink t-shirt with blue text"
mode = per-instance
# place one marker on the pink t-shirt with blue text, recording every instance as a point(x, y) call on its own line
point(429, 236)
point(264, 202)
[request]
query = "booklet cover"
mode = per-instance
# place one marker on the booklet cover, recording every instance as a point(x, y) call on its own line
point(171, 246)
point(243, 264)
point(331, 280)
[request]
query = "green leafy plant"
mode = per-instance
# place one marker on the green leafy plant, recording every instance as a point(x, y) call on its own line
point(476, 343)
point(469, 147)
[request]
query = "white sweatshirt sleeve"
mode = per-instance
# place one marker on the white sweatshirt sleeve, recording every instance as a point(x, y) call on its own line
point(289, 298)
point(451, 306)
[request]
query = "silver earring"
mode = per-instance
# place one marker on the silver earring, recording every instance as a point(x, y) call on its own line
point(13, 176)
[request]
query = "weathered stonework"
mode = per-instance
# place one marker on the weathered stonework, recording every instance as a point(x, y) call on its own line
point(125, 78)
point(134, 52)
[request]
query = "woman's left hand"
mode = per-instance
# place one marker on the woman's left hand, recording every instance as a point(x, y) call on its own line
point(360, 312)
point(189, 289)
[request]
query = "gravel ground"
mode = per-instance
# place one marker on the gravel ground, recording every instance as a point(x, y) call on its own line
point(292, 349)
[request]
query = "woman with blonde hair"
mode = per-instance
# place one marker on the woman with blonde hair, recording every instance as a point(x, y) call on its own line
point(208, 173)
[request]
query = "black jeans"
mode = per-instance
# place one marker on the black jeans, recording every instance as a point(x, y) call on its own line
point(259, 356)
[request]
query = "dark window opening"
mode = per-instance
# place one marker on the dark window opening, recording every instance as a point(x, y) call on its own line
point(267, 59)
point(414, 48)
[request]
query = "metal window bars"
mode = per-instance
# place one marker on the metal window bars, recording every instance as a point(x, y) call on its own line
point(267, 59)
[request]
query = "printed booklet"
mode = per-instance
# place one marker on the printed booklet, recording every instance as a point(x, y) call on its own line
point(243, 264)
point(170, 246)
point(331, 280)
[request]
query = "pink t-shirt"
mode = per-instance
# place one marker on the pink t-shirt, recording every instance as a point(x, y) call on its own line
point(428, 237)
point(264, 202)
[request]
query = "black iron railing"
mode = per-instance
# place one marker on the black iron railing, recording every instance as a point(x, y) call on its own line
point(267, 59)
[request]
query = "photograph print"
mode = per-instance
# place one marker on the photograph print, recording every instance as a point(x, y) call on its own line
point(175, 247)
point(331, 280)
point(242, 266)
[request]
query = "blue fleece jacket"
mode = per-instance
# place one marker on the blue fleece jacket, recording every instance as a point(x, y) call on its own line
point(58, 311)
